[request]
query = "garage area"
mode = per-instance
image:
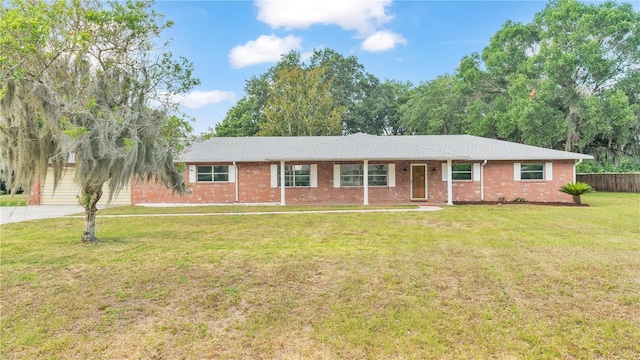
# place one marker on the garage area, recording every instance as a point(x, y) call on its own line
point(67, 192)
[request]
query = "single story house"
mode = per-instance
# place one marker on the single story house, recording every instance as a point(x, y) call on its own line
point(357, 169)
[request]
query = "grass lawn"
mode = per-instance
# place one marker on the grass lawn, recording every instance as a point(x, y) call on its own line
point(15, 200)
point(486, 281)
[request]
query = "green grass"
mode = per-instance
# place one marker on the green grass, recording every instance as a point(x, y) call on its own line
point(13, 200)
point(497, 281)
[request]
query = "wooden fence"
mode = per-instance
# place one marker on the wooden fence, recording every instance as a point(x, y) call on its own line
point(615, 182)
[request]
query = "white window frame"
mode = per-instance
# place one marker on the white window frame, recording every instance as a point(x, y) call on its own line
point(455, 172)
point(374, 172)
point(524, 170)
point(213, 173)
point(347, 180)
point(294, 176)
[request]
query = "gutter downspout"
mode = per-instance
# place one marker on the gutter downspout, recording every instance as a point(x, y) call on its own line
point(235, 167)
point(282, 186)
point(574, 169)
point(449, 183)
point(482, 180)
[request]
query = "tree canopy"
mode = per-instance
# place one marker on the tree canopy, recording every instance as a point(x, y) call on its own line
point(567, 80)
point(299, 103)
point(88, 79)
point(345, 79)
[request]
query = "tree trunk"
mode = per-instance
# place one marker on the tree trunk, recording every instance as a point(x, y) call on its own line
point(576, 200)
point(90, 196)
point(572, 130)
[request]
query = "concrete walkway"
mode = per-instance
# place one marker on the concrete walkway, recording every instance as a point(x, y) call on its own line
point(12, 214)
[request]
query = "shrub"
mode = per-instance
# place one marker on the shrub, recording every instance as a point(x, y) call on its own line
point(576, 189)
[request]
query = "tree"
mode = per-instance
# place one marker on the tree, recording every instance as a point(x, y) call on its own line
point(562, 80)
point(300, 104)
point(576, 189)
point(435, 107)
point(239, 121)
point(87, 78)
point(380, 110)
point(351, 86)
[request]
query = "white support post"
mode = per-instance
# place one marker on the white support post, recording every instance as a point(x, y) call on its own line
point(366, 182)
point(282, 186)
point(449, 183)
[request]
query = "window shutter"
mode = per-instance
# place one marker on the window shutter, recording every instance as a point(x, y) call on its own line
point(391, 175)
point(336, 175)
point(444, 171)
point(232, 173)
point(476, 172)
point(274, 175)
point(313, 174)
point(192, 173)
point(548, 171)
point(516, 172)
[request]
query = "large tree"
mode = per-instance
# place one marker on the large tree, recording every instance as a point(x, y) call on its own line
point(88, 79)
point(567, 80)
point(561, 80)
point(380, 110)
point(240, 120)
point(300, 104)
point(350, 86)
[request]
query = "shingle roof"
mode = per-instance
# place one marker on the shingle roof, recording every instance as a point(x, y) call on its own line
point(370, 147)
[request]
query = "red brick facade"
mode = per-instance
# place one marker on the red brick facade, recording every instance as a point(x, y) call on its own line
point(253, 185)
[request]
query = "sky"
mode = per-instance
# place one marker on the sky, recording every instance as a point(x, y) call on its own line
point(230, 41)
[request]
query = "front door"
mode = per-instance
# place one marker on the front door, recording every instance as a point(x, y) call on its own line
point(418, 182)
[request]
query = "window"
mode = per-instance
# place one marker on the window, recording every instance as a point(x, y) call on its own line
point(531, 171)
point(378, 175)
point(461, 171)
point(296, 175)
point(213, 173)
point(353, 175)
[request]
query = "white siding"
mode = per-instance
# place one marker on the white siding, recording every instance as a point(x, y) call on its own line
point(67, 191)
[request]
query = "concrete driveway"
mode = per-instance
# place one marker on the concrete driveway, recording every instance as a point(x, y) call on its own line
point(12, 214)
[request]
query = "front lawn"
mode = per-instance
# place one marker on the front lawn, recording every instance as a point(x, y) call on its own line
point(482, 281)
point(13, 200)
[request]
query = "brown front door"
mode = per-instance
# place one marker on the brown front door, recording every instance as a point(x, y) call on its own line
point(418, 181)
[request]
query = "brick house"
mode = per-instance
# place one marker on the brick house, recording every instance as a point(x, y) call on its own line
point(354, 169)
point(366, 169)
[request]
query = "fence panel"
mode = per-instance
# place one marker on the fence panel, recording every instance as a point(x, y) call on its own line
point(615, 182)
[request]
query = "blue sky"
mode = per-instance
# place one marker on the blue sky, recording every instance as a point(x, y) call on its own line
point(231, 41)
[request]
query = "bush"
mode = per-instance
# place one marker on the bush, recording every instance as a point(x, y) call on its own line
point(576, 189)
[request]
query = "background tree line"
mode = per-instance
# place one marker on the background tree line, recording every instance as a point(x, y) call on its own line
point(568, 80)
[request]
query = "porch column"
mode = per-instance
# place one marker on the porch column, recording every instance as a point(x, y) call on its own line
point(282, 186)
point(366, 182)
point(449, 183)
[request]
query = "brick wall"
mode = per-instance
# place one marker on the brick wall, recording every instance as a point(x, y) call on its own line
point(35, 193)
point(254, 186)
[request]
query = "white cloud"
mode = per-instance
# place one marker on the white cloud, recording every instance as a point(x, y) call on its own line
point(363, 16)
point(382, 40)
point(267, 48)
point(197, 99)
